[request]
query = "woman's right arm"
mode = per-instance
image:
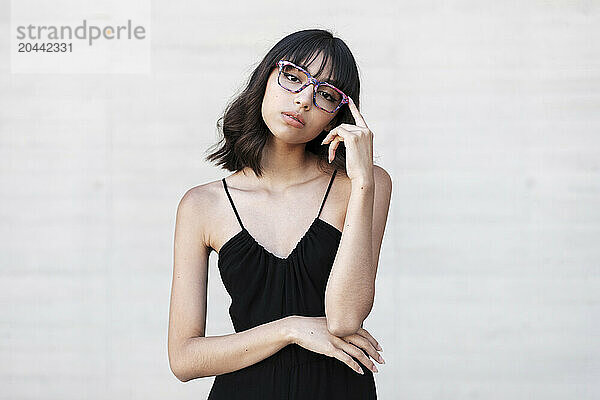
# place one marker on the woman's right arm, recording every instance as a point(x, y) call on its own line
point(191, 354)
point(214, 355)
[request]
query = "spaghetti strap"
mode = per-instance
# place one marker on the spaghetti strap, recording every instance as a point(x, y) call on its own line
point(232, 205)
point(327, 192)
point(238, 215)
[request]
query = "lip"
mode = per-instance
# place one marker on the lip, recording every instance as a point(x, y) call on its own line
point(295, 115)
point(291, 121)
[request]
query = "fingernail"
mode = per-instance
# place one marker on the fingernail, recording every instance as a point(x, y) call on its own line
point(375, 368)
point(379, 347)
point(360, 371)
point(381, 359)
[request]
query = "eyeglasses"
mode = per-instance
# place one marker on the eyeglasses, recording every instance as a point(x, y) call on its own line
point(325, 96)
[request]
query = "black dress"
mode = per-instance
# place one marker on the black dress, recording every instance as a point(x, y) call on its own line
point(263, 288)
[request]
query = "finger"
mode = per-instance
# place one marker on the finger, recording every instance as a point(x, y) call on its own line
point(356, 114)
point(341, 132)
point(360, 355)
point(366, 334)
point(328, 137)
point(351, 128)
point(333, 146)
point(338, 344)
point(332, 133)
point(365, 344)
point(349, 361)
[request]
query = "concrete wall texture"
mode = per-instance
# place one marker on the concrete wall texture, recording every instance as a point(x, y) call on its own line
point(485, 113)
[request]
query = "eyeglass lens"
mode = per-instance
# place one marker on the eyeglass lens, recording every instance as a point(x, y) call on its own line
point(291, 78)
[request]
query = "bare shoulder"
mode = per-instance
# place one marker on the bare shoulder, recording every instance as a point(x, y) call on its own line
point(382, 178)
point(198, 198)
point(201, 196)
point(201, 206)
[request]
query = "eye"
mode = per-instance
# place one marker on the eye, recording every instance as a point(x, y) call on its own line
point(328, 96)
point(291, 77)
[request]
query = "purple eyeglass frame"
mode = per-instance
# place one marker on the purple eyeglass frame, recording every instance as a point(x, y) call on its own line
point(281, 63)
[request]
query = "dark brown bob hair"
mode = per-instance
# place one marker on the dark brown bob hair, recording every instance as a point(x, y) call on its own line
point(242, 126)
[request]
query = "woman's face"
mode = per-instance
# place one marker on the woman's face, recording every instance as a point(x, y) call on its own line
point(278, 101)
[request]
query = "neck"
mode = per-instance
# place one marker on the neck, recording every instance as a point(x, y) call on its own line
point(285, 165)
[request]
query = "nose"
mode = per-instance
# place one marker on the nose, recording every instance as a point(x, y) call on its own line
point(304, 98)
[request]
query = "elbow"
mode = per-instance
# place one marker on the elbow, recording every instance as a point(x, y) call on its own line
point(179, 373)
point(177, 364)
point(346, 326)
point(342, 330)
point(185, 370)
point(182, 378)
point(178, 370)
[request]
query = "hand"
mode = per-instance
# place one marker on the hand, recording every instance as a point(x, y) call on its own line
point(312, 334)
point(358, 140)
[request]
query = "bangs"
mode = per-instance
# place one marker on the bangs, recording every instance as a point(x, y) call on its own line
point(335, 67)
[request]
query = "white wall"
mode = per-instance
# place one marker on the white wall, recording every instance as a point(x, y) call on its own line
point(485, 113)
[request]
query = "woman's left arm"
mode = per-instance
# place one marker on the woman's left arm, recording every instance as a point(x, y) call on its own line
point(350, 291)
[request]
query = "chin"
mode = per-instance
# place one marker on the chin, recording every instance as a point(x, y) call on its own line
point(291, 137)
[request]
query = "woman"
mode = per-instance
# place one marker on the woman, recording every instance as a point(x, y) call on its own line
point(297, 304)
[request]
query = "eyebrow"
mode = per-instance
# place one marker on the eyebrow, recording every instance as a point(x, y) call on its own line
point(330, 81)
point(334, 83)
